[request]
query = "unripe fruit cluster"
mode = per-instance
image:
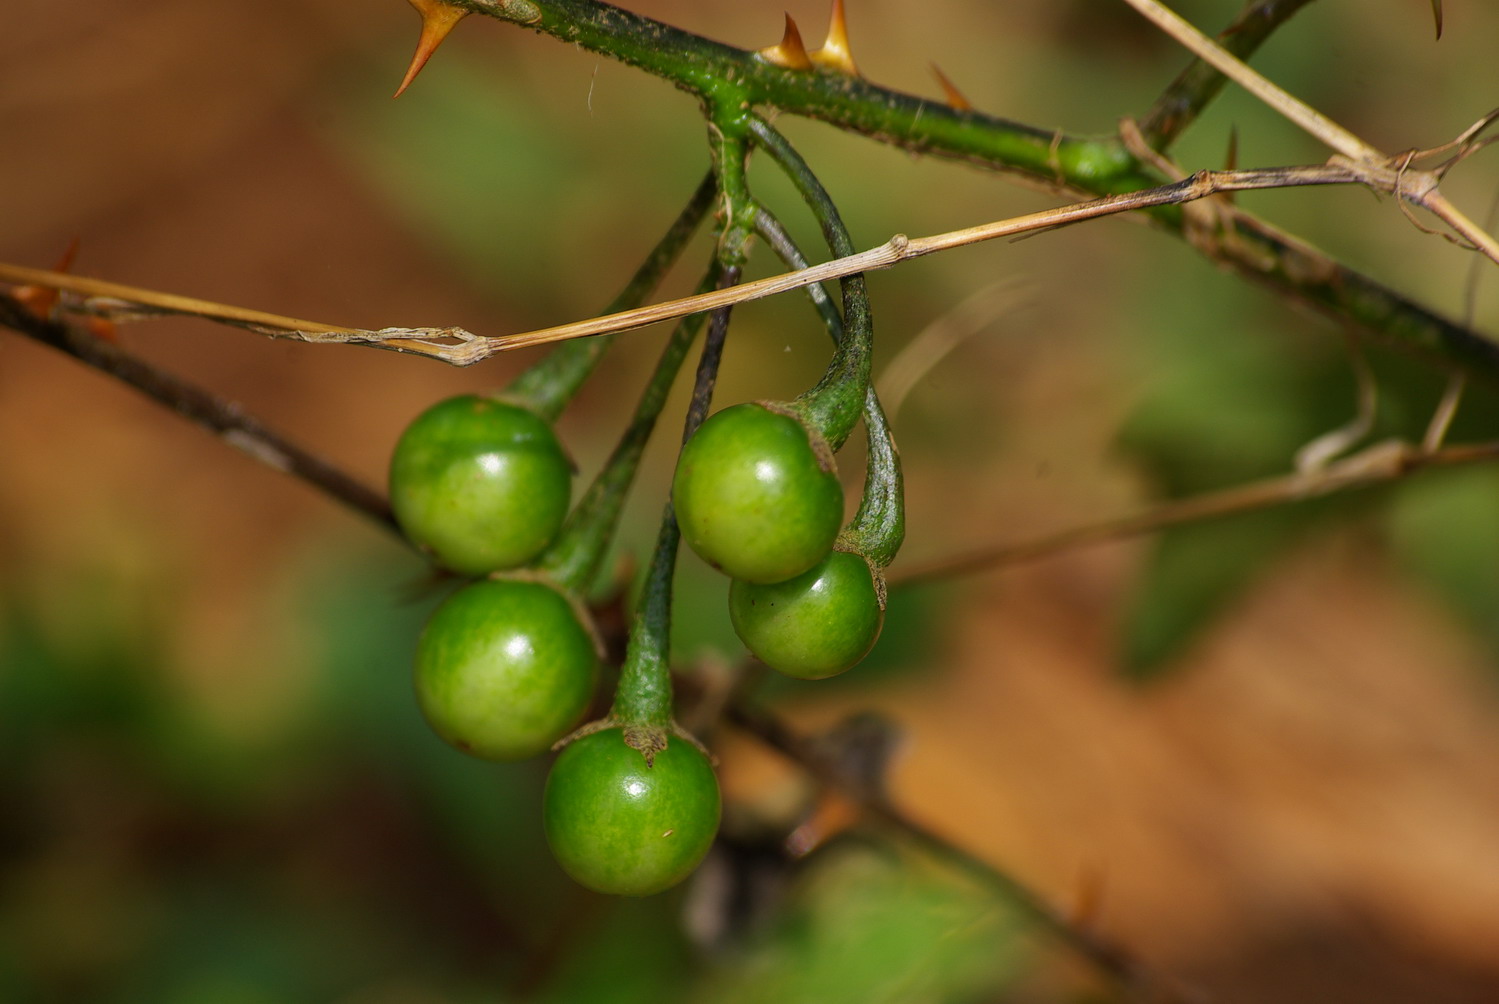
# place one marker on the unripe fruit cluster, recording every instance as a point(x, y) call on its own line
point(757, 496)
point(504, 667)
point(507, 665)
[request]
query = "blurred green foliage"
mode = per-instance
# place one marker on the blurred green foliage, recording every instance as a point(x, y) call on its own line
point(1231, 400)
point(343, 852)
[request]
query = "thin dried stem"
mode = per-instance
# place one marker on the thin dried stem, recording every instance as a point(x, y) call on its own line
point(122, 303)
point(1417, 187)
point(1379, 464)
point(1197, 85)
point(463, 348)
point(1297, 111)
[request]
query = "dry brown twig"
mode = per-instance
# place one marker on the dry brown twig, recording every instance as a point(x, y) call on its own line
point(1377, 464)
point(460, 347)
point(1415, 187)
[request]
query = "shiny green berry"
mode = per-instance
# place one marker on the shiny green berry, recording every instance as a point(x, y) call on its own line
point(481, 484)
point(505, 668)
point(752, 495)
point(813, 626)
point(619, 826)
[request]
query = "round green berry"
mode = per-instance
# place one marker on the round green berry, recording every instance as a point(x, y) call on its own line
point(480, 483)
point(505, 668)
point(813, 626)
point(754, 498)
point(618, 825)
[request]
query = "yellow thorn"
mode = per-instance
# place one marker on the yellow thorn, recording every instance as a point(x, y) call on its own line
point(789, 52)
point(438, 19)
point(950, 92)
point(835, 52)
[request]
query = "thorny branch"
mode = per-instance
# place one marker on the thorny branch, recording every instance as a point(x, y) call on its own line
point(1415, 187)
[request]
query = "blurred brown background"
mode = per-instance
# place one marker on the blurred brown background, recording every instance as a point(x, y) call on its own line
point(1303, 807)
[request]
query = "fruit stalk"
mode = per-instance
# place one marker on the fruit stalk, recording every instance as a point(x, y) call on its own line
point(551, 383)
point(834, 405)
point(879, 527)
point(574, 558)
point(643, 699)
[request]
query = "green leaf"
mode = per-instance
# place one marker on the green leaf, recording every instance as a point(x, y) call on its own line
point(1193, 576)
point(1444, 529)
point(636, 954)
point(867, 925)
point(1223, 412)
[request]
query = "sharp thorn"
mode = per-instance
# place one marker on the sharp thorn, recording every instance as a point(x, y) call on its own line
point(835, 52)
point(950, 93)
point(1436, 13)
point(40, 300)
point(1231, 160)
point(438, 19)
point(789, 52)
point(65, 261)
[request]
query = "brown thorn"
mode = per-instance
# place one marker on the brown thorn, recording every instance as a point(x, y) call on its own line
point(789, 52)
point(438, 19)
point(835, 52)
point(1436, 13)
point(41, 299)
point(950, 93)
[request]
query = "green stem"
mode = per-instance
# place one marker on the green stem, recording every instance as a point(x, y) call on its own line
point(1197, 85)
point(548, 386)
point(729, 148)
point(1048, 157)
point(879, 527)
point(834, 405)
point(574, 558)
point(643, 700)
point(717, 72)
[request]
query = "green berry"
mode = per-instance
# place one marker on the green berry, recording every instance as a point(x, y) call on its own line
point(813, 626)
point(752, 496)
point(505, 668)
point(619, 826)
point(481, 484)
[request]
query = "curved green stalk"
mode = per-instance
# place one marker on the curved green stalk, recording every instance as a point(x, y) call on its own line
point(643, 699)
point(574, 558)
point(878, 529)
point(550, 384)
point(834, 405)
